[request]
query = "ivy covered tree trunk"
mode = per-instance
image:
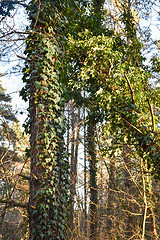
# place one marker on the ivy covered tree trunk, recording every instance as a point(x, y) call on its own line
point(48, 203)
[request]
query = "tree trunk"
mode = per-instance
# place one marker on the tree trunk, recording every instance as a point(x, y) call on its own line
point(48, 202)
point(111, 200)
point(93, 182)
point(97, 22)
point(85, 175)
point(128, 191)
point(73, 174)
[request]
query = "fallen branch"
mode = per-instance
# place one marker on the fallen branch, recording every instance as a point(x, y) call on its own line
point(13, 203)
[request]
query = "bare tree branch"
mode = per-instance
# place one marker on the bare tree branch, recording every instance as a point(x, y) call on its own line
point(152, 114)
point(130, 87)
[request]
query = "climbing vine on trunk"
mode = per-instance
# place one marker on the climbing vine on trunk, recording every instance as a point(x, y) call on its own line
point(49, 201)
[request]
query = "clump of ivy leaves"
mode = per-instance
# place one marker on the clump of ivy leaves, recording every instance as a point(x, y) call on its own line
point(42, 89)
point(123, 97)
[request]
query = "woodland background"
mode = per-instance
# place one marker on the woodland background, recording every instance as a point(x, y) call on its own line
point(86, 162)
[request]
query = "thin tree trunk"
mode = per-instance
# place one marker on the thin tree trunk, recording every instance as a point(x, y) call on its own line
point(148, 202)
point(73, 177)
point(145, 201)
point(68, 110)
point(79, 123)
point(128, 191)
point(153, 221)
point(93, 182)
point(97, 6)
point(111, 200)
point(85, 176)
point(128, 21)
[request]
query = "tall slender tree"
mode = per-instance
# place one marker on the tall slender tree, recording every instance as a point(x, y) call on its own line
point(97, 24)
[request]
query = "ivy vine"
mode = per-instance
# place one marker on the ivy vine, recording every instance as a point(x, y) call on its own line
point(49, 185)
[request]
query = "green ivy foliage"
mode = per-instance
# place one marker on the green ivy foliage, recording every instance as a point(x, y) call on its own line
point(122, 93)
point(49, 184)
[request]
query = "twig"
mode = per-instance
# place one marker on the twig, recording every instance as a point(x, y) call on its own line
point(21, 57)
point(152, 114)
point(55, 21)
point(76, 6)
point(39, 5)
point(24, 176)
point(129, 123)
point(130, 87)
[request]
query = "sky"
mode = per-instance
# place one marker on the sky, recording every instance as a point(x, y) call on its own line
point(10, 64)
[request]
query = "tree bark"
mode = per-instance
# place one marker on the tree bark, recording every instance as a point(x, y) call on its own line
point(93, 182)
